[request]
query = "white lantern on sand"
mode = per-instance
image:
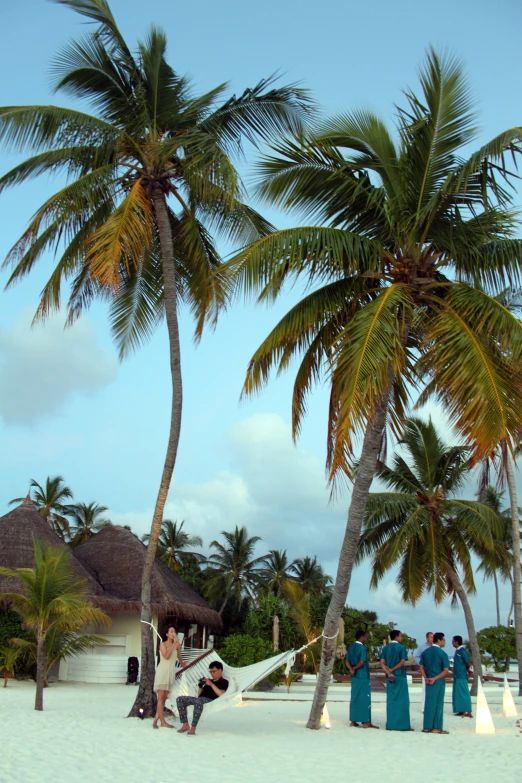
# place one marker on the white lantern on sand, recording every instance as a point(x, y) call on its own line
point(484, 721)
point(508, 705)
point(325, 718)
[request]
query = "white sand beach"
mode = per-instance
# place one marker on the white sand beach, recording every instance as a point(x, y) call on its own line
point(83, 735)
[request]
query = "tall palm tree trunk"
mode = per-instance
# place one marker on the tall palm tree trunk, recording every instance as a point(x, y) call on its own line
point(470, 625)
point(145, 698)
point(361, 490)
point(517, 608)
point(40, 670)
point(497, 597)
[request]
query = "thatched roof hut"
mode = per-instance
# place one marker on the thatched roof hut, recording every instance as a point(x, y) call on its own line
point(18, 528)
point(115, 558)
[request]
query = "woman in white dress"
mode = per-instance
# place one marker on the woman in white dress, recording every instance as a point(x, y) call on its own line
point(170, 650)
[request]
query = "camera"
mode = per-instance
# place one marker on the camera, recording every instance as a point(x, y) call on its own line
point(201, 682)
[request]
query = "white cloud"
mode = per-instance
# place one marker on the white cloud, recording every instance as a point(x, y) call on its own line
point(276, 489)
point(43, 367)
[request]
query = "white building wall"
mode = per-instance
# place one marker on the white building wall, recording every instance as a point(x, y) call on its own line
point(107, 664)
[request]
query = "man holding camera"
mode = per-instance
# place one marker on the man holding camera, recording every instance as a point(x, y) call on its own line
point(210, 688)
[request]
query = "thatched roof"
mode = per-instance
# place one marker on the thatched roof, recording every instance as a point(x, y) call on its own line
point(17, 530)
point(115, 558)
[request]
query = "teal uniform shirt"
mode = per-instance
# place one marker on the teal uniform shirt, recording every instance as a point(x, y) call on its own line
point(461, 698)
point(397, 696)
point(434, 660)
point(360, 699)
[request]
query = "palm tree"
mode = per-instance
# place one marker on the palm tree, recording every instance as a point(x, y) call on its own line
point(49, 501)
point(234, 572)
point(8, 657)
point(409, 242)
point(277, 571)
point(309, 574)
point(53, 599)
point(172, 545)
point(499, 561)
point(87, 519)
point(421, 525)
point(151, 177)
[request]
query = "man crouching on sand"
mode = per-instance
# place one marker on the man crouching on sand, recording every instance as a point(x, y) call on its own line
point(209, 689)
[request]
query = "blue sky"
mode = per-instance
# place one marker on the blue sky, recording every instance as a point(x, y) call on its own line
point(68, 407)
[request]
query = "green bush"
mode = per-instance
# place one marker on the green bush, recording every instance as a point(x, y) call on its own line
point(11, 628)
point(497, 644)
point(241, 649)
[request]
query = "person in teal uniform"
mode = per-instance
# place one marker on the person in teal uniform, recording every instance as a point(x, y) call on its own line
point(461, 665)
point(393, 660)
point(434, 668)
point(361, 698)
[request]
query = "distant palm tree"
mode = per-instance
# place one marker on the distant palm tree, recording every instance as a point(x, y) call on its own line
point(233, 569)
point(277, 570)
point(50, 503)
point(308, 573)
point(421, 526)
point(52, 599)
point(173, 542)
point(499, 561)
point(87, 519)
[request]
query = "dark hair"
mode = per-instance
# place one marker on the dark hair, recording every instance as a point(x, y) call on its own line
point(458, 639)
point(167, 629)
point(437, 637)
point(429, 632)
point(394, 634)
point(216, 665)
point(360, 633)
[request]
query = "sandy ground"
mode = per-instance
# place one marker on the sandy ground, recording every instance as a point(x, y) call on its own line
point(83, 735)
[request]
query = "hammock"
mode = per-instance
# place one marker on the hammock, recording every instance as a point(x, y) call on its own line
point(239, 678)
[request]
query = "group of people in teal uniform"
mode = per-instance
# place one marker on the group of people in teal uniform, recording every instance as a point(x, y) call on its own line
point(434, 665)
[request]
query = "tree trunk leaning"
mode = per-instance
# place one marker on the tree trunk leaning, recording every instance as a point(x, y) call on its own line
point(361, 489)
point(470, 625)
point(145, 698)
point(497, 598)
point(40, 671)
point(517, 604)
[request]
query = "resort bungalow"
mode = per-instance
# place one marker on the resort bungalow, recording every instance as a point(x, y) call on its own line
point(111, 562)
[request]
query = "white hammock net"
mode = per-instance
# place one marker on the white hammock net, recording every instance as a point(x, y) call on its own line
point(239, 679)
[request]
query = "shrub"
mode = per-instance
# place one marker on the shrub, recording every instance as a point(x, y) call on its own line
point(499, 644)
point(241, 649)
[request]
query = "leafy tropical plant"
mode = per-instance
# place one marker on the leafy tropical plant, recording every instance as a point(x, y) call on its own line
point(87, 519)
point(51, 502)
point(299, 609)
point(408, 242)
point(53, 599)
point(173, 542)
point(234, 571)
point(59, 644)
point(309, 574)
point(240, 649)
point(151, 182)
point(8, 658)
point(421, 526)
point(260, 620)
